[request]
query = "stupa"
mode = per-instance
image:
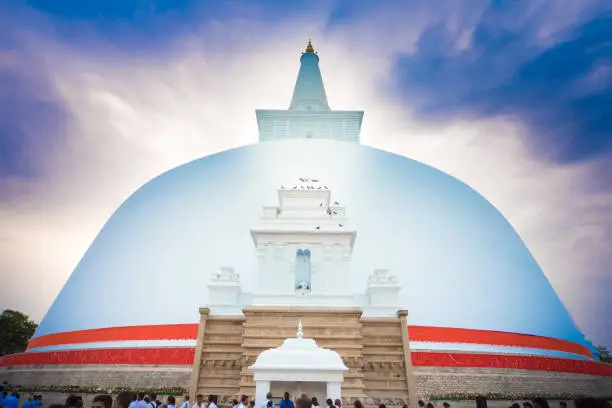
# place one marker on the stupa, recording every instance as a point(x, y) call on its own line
point(415, 280)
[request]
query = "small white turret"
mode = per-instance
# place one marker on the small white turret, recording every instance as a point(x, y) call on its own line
point(383, 294)
point(224, 292)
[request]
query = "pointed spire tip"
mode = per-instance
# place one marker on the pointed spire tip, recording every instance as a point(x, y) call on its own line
point(309, 47)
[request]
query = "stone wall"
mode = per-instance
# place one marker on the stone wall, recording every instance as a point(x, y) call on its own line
point(98, 376)
point(434, 380)
point(429, 380)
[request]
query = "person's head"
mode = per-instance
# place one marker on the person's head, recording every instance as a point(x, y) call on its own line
point(124, 399)
point(540, 402)
point(382, 406)
point(251, 403)
point(199, 398)
point(421, 403)
point(74, 402)
point(527, 405)
point(269, 396)
point(591, 402)
point(211, 398)
point(315, 401)
point(338, 403)
point(446, 405)
point(516, 405)
point(286, 396)
point(140, 396)
point(102, 401)
point(357, 404)
point(234, 401)
point(303, 402)
point(244, 399)
point(429, 405)
point(329, 402)
point(563, 404)
point(171, 400)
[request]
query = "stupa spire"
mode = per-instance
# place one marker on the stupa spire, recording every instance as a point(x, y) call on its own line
point(309, 115)
point(309, 47)
point(309, 92)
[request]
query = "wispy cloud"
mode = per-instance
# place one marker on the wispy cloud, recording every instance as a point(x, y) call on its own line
point(452, 86)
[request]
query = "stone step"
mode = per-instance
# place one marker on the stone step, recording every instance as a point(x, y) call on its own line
point(369, 352)
point(227, 342)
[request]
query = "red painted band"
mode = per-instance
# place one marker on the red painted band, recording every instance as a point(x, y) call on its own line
point(495, 338)
point(417, 333)
point(140, 356)
point(469, 360)
point(185, 356)
point(153, 332)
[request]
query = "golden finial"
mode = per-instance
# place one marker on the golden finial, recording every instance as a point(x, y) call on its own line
point(309, 47)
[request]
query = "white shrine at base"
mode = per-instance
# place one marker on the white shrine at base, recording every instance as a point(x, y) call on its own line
point(304, 247)
point(302, 362)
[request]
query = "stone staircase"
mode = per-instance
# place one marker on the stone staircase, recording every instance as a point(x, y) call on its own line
point(384, 370)
point(221, 358)
point(371, 348)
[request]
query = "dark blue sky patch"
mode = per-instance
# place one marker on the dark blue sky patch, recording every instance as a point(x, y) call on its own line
point(563, 93)
point(32, 121)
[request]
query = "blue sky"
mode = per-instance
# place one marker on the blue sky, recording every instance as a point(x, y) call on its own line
point(512, 97)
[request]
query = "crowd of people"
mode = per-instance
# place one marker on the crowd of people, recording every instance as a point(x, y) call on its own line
point(129, 399)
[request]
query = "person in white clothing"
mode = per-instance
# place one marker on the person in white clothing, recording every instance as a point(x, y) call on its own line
point(244, 401)
point(186, 404)
point(199, 401)
point(268, 398)
point(154, 401)
point(135, 403)
point(141, 400)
